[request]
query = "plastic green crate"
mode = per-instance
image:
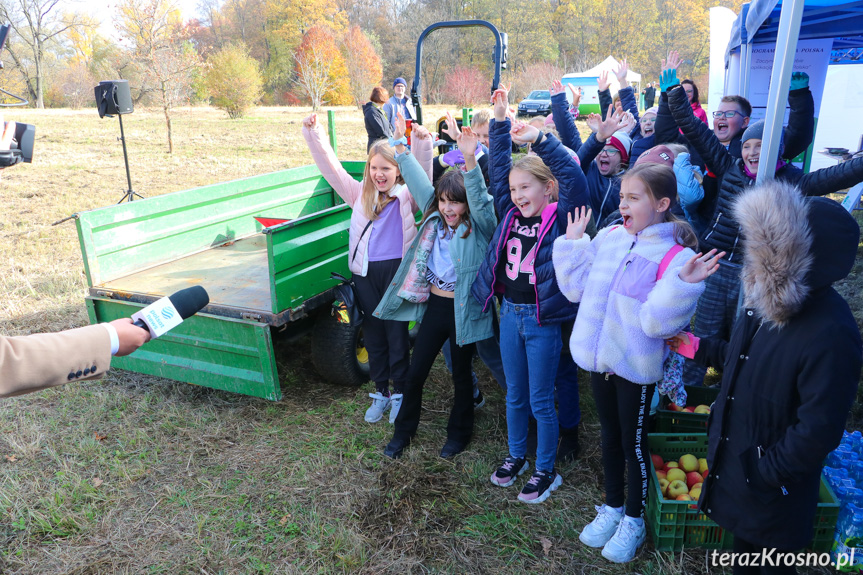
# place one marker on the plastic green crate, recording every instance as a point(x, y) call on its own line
point(668, 421)
point(678, 524)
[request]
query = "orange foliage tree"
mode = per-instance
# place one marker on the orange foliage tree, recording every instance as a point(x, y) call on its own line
point(365, 69)
point(320, 69)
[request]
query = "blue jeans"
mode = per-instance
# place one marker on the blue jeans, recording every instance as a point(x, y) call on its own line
point(530, 354)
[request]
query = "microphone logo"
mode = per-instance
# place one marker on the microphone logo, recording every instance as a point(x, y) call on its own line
point(167, 313)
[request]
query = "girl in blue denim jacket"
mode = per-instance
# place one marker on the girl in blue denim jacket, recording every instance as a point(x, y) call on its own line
point(636, 284)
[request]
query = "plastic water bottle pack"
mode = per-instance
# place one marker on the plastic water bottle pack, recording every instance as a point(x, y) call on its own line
point(844, 472)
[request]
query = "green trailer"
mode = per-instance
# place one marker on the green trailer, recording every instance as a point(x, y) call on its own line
point(261, 280)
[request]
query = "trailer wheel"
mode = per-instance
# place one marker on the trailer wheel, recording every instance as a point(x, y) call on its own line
point(338, 351)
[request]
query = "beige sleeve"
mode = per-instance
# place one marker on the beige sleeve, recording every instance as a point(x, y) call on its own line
point(39, 361)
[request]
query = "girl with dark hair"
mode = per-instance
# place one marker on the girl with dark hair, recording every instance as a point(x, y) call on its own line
point(433, 285)
point(692, 94)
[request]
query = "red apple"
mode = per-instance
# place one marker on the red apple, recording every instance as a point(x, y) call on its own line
point(702, 409)
point(677, 488)
point(674, 407)
point(705, 474)
point(660, 474)
point(684, 497)
point(693, 478)
point(689, 409)
point(688, 462)
point(658, 463)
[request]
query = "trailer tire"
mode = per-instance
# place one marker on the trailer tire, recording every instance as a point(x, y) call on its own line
point(338, 352)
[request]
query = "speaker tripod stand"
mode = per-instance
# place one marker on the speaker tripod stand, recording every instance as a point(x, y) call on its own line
point(130, 194)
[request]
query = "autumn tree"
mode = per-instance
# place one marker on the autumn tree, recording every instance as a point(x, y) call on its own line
point(160, 50)
point(234, 80)
point(320, 68)
point(38, 27)
point(363, 64)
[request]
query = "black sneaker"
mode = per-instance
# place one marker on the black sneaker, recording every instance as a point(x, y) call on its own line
point(396, 447)
point(568, 448)
point(479, 400)
point(452, 448)
point(539, 486)
point(508, 471)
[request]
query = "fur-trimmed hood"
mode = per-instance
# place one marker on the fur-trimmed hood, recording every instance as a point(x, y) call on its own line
point(793, 245)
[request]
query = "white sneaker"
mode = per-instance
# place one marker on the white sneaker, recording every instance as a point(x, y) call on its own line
point(625, 542)
point(378, 407)
point(395, 406)
point(600, 530)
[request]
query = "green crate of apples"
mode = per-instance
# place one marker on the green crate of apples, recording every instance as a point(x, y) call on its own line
point(677, 470)
point(692, 417)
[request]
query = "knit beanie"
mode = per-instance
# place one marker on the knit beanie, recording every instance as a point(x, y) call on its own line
point(398, 81)
point(756, 132)
point(654, 110)
point(622, 142)
point(657, 155)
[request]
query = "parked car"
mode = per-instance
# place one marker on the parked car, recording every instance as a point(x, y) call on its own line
point(537, 103)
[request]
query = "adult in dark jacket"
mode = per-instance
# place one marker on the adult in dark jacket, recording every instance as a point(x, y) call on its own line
point(790, 370)
point(718, 304)
point(377, 125)
point(649, 96)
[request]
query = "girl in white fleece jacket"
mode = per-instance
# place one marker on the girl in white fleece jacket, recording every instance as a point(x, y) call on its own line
point(637, 285)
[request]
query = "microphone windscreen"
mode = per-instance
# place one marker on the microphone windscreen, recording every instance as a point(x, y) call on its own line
point(189, 301)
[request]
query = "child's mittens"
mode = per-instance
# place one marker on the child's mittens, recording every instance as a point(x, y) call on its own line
point(688, 345)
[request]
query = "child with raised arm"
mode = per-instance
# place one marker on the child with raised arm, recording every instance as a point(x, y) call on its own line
point(382, 229)
point(637, 283)
point(518, 265)
point(433, 285)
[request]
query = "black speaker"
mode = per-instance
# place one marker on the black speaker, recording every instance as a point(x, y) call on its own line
point(113, 97)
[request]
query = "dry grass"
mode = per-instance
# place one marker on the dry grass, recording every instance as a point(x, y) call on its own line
point(135, 474)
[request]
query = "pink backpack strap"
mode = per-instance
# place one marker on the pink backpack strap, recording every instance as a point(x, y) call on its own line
point(666, 260)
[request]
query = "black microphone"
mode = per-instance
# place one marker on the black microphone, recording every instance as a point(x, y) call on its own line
point(168, 312)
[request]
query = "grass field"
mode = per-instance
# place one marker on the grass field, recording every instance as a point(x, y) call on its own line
point(139, 475)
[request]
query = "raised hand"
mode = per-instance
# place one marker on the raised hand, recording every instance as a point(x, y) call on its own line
point(799, 80)
point(629, 122)
point(451, 127)
point(557, 88)
point(420, 132)
point(576, 95)
point(500, 100)
point(603, 83)
point(400, 126)
point(593, 122)
point(310, 122)
point(700, 266)
point(672, 62)
point(577, 223)
point(621, 71)
point(467, 141)
point(614, 121)
point(523, 133)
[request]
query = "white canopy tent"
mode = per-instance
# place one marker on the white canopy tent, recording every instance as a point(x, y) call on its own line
point(609, 65)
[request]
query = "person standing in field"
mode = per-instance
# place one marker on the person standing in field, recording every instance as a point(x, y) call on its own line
point(399, 103)
point(382, 229)
point(377, 125)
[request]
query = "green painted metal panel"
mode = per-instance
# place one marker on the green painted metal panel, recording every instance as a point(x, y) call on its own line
point(221, 353)
point(122, 239)
point(302, 255)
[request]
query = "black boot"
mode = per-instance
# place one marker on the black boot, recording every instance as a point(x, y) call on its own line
point(568, 448)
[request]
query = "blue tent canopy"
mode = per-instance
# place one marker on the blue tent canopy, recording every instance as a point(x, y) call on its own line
point(758, 22)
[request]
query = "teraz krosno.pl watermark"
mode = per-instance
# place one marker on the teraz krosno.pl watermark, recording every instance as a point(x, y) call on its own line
point(774, 558)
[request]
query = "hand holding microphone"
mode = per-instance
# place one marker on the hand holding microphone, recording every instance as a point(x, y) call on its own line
point(158, 318)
